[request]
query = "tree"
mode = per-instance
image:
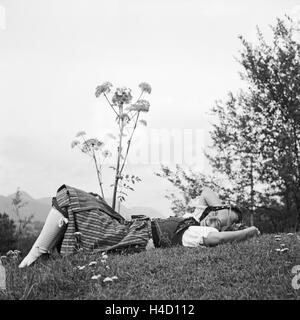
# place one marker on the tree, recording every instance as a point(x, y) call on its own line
point(236, 156)
point(7, 233)
point(263, 123)
point(255, 137)
point(23, 222)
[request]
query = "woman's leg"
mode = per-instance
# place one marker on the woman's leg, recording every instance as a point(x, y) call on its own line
point(206, 198)
point(209, 197)
point(53, 230)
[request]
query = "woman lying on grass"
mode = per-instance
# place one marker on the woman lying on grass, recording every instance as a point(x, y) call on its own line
point(84, 221)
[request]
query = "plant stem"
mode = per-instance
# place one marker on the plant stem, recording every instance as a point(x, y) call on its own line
point(110, 104)
point(140, 96)
point(132, 116)
point(98, 174)
point(117, 177)
point(129, 142)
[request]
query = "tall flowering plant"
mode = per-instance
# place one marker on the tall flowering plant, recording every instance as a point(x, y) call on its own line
point(93, 148)
point(127, 118)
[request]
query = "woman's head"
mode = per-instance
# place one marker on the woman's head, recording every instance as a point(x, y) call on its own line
point(214, 222)
point(233, 216)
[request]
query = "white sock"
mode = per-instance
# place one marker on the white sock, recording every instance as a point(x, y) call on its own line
point(52, 231)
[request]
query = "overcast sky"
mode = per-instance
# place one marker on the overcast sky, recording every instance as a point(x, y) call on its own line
point(54, 53)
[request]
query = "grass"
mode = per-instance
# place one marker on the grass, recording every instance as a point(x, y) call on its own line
point(247, 270)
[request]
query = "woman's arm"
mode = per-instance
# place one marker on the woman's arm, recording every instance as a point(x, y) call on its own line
point(215, 238)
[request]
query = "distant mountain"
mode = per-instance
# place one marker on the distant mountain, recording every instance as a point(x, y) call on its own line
point(46, 201)
point(25, 196)
point(41, 207)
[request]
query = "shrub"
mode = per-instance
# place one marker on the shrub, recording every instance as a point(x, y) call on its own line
point(7, 233)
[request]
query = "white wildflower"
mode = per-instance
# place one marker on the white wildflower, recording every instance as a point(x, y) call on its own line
point(103, 88)
point(93, 263)
point(96, 276)
point(143, 122)
point(74, 143)
point(80, 134)
point(106, 153)
point(91, 144)
point(141, 105)
point(145, 87)
point(122, 95)
point(108, 279)
point(81, 267)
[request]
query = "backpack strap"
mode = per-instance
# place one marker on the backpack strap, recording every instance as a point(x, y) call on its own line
point(183, 225)
point(212, 208)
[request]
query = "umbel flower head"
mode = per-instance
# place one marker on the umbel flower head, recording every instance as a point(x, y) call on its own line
point(75, 143)
point(92, 144)
point(141, 105)
point(121, 96)
point(80, 134)
point(103, 88)
point(143, 122)
point(106, 153)
point(145, 87)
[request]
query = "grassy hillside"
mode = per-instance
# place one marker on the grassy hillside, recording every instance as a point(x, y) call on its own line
point(248, 270)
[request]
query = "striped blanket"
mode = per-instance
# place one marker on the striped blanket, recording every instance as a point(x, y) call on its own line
point(94, 226)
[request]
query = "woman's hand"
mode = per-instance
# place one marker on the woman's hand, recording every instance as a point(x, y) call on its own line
point(253, 231)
